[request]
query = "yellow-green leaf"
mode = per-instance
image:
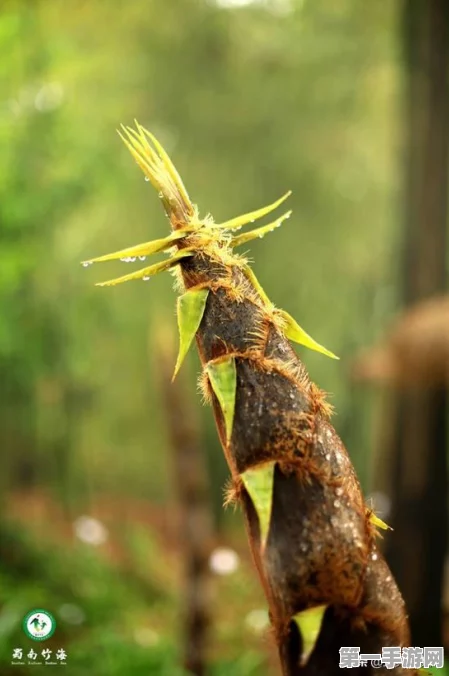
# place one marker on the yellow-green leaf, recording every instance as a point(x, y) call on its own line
point(145, 249)
point(258, 481)
point(223, 379)
point(158, 168)
point(146, 158)
point(190, 310)
point(251, 216)
point(294, 332)
point(378, 522)
point(259, 232)
point(309, 624)
point(170, 167)
point(149, 271)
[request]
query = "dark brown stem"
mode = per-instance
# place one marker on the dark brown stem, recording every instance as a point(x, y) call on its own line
point(321, 546)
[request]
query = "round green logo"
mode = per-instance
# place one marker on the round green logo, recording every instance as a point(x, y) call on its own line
point(39, 624)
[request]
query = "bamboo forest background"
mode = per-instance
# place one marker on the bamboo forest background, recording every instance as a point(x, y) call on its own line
point(250, 99)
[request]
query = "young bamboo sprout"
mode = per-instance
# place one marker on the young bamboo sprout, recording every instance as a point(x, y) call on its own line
point(312, 537)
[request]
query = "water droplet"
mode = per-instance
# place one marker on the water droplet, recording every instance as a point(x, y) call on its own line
point(131, 259)
point(339, 491)
point(260, 236)
point(339, 458)
point(86, 264)
point(147, 179)
point(337, 503)
point(124, 260)
point(160, 195)
point(146, 278)
point(374, 557)
point(142, 258)
point(328, 456)
point(292, 396)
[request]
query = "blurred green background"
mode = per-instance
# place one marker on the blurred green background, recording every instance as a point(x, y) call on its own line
point(250, 98)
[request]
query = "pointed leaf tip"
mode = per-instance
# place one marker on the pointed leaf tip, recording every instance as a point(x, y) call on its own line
point(376, 521)
point(145, 249)
point(190, 310)
point(223, 380)
point(294, 332)
point(151, 270)
point(309, 623)
point(166, 161)
point(258, 481)
point(240, 221)
point(237, 240)
point(158, 168)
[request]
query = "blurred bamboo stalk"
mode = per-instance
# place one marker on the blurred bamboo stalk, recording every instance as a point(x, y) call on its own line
point(419, 516)
point(195, 519)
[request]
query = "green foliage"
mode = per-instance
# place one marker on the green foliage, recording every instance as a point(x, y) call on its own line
point(109, 622)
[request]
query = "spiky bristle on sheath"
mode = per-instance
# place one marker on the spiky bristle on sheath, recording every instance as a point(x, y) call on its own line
point(192, 235)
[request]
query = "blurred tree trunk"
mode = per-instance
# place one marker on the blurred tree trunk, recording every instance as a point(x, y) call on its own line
point(417, 551)
point(195, 527)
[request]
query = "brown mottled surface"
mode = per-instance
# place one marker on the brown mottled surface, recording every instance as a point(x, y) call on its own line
point(320, 547)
